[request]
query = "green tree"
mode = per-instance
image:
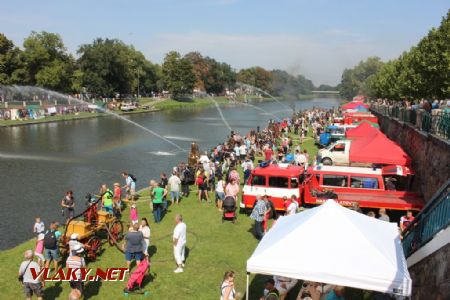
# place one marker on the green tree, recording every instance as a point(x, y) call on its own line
point(219, 76)
point(178, 75)
point(257, 77)
point(352, 79)
point(47, 61)
point(200, 68)
point(109, 66)
point(11, 62)
point(422, 72)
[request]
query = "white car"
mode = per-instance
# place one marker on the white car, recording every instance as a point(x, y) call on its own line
point(127, 107)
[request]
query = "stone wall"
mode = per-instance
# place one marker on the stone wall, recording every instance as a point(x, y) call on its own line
point(431, 276)
point(429, 153)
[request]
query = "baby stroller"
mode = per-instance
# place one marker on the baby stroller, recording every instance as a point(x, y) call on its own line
point(136, 278)
point(229, 209)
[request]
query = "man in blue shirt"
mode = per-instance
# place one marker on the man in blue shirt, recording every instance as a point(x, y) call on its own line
point(258, 215)
point(130, 186)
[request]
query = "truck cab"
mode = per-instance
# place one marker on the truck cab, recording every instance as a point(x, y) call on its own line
point(332, 134)
point(337, 153)
point(275, 181)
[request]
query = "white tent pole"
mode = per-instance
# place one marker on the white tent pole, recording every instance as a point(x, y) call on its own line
point(247, 288)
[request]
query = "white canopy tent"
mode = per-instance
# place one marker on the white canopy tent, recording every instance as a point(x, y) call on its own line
point(334, 245)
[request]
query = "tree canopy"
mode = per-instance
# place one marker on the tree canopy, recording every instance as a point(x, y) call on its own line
point(421, 72)
point(107, 67)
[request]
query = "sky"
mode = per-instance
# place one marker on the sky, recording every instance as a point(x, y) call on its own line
point(315, 38)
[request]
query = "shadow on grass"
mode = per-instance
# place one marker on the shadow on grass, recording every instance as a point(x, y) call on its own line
point(187, 251)
point(92, 288)
point(53, 292)
point(152, 250)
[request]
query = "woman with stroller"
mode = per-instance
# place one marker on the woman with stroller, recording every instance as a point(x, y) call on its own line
point(220, 192)
point(232, 188)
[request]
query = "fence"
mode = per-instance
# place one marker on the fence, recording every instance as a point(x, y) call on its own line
point(437, 122)
point(432, 219)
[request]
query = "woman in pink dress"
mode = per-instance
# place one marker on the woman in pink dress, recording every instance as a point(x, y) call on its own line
point(40, 249)
point(232, 188)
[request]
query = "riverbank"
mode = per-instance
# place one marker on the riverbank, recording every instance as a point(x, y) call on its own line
point(151, 105)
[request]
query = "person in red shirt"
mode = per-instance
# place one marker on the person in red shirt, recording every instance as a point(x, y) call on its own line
point(406, 220)
point(286, 202)
point(268, 153)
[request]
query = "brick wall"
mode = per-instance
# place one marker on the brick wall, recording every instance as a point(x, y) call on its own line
point(431, 276)
point(429, 153)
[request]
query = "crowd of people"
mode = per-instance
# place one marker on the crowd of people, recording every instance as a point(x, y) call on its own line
point(425, 104)
point(216, 176)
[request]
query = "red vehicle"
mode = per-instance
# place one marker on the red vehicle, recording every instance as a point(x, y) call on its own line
point(388, 187)
point(276, 181)
point(356, 117)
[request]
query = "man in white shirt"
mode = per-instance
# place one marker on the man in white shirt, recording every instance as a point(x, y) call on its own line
point(175, 184)
point(30, 285)
point(301, 159)
point(292, 208)
point(73, 242)
point(179, 242)
point(204, 158)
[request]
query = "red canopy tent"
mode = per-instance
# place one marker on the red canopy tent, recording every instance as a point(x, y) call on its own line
point(362, 130)
point(354, 104)
point(378, 149)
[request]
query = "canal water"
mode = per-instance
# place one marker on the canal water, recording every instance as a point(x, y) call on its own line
point(38, 163)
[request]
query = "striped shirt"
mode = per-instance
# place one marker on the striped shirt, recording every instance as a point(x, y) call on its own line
point(76, 262)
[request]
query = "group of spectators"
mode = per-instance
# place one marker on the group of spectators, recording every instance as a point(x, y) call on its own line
point(425, 104)
point(216, 177)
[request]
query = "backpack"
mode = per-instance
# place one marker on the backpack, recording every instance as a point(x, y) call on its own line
point(133, 177)
point(200, 180)
point(50, 240)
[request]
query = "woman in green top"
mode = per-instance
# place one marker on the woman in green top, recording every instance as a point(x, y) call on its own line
point(158, 195)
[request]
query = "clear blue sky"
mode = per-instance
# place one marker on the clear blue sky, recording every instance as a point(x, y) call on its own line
point(317, 38)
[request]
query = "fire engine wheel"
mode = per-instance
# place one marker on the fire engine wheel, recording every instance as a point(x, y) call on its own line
point(115, 232)
point(327, 161)
point(94, 246)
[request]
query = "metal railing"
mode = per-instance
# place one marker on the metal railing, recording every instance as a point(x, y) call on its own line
point(437, 122)
point(432, 219)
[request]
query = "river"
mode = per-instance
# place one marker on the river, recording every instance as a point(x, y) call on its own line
point(38, 163)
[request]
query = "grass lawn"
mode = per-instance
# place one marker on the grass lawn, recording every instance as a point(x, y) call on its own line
point(213, 248)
